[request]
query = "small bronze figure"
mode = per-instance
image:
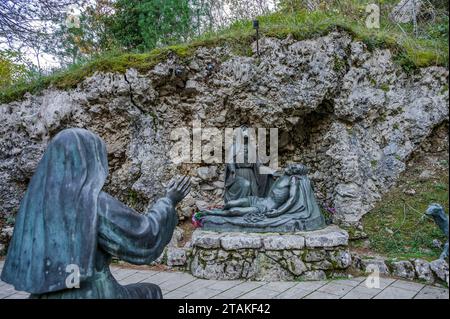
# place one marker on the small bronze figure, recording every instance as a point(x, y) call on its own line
point(436, 212)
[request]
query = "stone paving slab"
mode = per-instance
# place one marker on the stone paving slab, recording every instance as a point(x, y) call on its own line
point(432, 293)
point(196, 285)
point(135, 278)
point(124, 273)
point(260, 293)
point(175, 283)
point(395, 293)
point(160, 278)
point(384, 282)
point(239, 290)
point(335, 288)
point(176, 294)
point(280, 286)
point(353, 294)
point(310, 285)
point(350, 282)
point(321, 295)
point(224, 284)
point(179, 285)
point(413, 286)
point(362, 292)
point(293, 293)
point(204, 293)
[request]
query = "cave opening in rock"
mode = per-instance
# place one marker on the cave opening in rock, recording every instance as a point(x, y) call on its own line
point(298, 142)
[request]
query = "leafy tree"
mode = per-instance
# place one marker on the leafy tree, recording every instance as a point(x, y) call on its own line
point(31, 27)
point(82, 36)
point(10, 70)
point(21, 20)
point(123, 25)
point(146, 24)
point(165, 22)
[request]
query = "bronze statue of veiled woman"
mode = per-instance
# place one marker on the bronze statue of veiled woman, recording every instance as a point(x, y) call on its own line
point(242, 176)
point(66, 223)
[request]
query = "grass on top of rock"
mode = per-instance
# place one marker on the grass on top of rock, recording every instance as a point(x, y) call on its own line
point(410, 52)
point(397, 227)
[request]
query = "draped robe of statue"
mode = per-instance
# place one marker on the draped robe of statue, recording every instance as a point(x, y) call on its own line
point(289, 206)
point(65, 220)
point(243, 179)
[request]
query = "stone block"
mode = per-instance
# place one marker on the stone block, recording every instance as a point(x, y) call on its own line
point(176, 256)
point(403, 269)
point(440, 268)
point(205, 239)
point(314, 255)
point(341, 259)
point(240, 241)
point(207, 255)
point(283, 242)
point(314, 275)
point(268, 269)
point(331, 236)
point(322, 265)
point(208, 271)
point(295, 265)
point(370, 265)
point(423, 270)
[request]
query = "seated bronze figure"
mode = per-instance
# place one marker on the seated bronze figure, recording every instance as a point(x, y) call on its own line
point(66, 223)
point(243, 179)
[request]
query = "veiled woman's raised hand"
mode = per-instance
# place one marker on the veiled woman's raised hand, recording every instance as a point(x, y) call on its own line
point(178, 188)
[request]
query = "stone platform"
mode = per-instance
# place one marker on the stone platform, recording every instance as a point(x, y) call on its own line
point(314, 255)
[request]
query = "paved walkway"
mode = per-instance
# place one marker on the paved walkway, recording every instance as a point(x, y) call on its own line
point(179, 285)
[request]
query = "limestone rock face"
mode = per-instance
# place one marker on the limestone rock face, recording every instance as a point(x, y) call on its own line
point(207, 173)
point(350, 114)
point(405, 10)
point(7, 231)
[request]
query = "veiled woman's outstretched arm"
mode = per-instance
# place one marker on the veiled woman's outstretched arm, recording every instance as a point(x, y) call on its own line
point(138, 238)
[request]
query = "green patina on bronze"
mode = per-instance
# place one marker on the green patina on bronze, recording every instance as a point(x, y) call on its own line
point(289, 206)
point(66, 222)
